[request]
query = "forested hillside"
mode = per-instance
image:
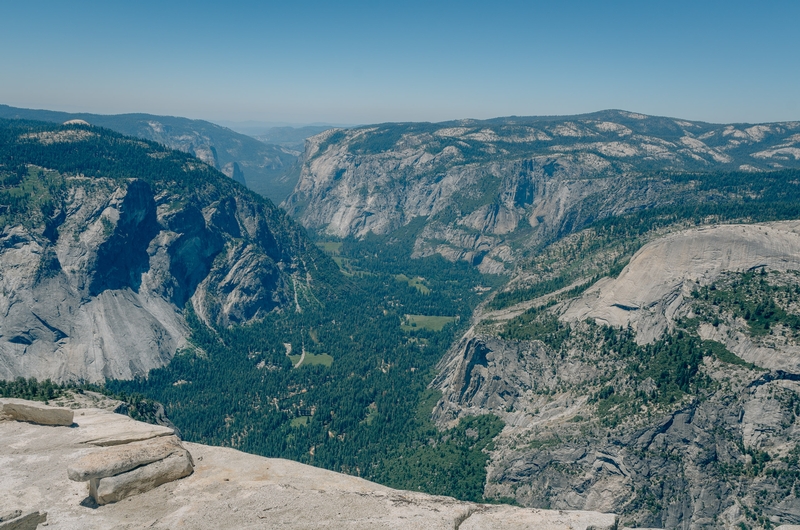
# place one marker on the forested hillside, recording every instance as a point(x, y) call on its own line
point(263, 167)
point(342, 384)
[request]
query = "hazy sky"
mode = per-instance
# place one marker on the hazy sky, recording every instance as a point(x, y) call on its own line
point(374, 61)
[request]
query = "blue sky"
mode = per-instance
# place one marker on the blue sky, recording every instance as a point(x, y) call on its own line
point(373, 61)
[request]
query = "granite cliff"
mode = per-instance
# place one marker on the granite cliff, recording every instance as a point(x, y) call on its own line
point(487, 188)
point(96, 271)
point(668, 394)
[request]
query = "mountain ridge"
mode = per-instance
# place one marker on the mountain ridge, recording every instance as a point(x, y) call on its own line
point(104, 246)
point(489, 187)
point(665, 393)
point(259, 165)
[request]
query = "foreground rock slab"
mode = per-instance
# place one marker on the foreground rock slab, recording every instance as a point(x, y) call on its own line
point(511, 518)
point(15, 520)
point(142, 479)
point(121, 458)
point(230, 489)
point(110, 429)
point(34, 412)
point(120, 471)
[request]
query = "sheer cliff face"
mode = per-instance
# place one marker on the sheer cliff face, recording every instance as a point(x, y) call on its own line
point(105, 298)
point(706, 457)
point(481, 184)
point(95, 280)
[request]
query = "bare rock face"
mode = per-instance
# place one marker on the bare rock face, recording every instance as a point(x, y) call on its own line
point(102, 296)
point(480, 184)
point(344, 194)
point(122, 458)
point(691, 462)
point(227, 489)
point(652, 288)
point(114, 429)
point(706, 457)
point(142, 479)
point(15, 520)
point(33, 412)
point(509, 518)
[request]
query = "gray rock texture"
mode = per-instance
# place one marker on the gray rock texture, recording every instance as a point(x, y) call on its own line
point(685, 466)
point(121, 458)
point(653, 287)
point(102, 295)
point(476, 186)
point(108, 430)
point(34, 412)
point(722, 454)
point(108, 489)
point(230, 489)
point(15, 520)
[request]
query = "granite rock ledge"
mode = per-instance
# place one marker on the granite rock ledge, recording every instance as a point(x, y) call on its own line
point(228, 488)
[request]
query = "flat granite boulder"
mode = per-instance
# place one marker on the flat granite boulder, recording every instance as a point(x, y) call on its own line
point(15, 520)
point(33, 412)
point(121, 458)
point(145, 478)
point(512, 518)
point(105, 428)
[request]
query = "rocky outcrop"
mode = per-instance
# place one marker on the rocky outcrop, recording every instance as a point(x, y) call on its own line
point(106, 298)
point(699, 464)
point(33, 412)
point(16, 520)
point(480, 184)
point(141, 458)
point(228, 489)
point(722, 454)
point(140, 480)
point(98, 289)
point(122, 458)
point(653, 288)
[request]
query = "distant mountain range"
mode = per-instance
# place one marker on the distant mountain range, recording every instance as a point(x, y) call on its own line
point(290, 137)
point(482, 189)
point(262, 167)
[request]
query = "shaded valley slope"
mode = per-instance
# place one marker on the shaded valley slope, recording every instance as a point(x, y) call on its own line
point(107, 239)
